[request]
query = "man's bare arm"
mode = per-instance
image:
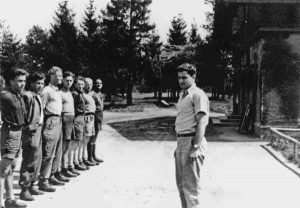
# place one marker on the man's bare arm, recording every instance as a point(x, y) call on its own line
point(201, 127)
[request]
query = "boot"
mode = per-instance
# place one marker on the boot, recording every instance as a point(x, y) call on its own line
point(26, 195)
point(94, 154)
point(45, 186)
point(88, 163)
point(34, 190)
point(90, 154)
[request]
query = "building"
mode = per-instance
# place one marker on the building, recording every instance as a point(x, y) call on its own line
point(265, 44)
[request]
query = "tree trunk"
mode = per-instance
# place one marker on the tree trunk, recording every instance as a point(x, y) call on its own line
point(129, 93)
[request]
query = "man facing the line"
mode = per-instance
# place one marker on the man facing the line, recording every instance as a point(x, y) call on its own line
point(191, 121)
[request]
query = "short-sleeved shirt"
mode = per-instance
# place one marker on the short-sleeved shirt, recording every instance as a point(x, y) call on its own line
point(90, 106)
point(188, 107)
point(99, 98)
point(52, 100)
point(67, 102)
point(13, 108)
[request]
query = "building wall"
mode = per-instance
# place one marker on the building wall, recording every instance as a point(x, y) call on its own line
point(280, 70)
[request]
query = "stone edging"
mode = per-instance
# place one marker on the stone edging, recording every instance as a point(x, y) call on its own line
point(280, 158)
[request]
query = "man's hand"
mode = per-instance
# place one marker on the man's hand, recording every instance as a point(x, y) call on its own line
point(194, 154)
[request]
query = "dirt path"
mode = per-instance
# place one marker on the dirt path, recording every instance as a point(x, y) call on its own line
point(140, 174)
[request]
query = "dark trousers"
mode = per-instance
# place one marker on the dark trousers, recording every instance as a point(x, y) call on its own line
point(98, 126)
point(51, 146)
point(32, 157)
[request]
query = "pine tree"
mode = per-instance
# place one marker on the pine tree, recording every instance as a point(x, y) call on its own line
point(64, 39)
point(90, 40)
point(126, 26)
point(11, 48)
point(194, 37)
point(37, 49)
point(177, 33)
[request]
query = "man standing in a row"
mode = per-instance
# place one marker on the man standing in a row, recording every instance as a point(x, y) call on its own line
point(31, 138)
point(13, 114)
point(99, 101)
point(51, 136)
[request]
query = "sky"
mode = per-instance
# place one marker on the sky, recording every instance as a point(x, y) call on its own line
point(21, 15)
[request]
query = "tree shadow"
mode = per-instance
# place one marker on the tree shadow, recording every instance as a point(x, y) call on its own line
point(162, 129)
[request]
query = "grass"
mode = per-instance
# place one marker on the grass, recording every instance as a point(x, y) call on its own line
point(287, 150)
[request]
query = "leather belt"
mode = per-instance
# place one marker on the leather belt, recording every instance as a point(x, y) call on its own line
point(186, 135)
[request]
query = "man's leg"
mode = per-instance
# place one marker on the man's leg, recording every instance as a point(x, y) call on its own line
point(179, 163)
point(191, 178)
point(31, 155)
point(50, 136)
point(6, 180)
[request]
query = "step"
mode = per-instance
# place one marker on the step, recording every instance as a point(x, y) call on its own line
point(234, 116)
point(226, 124)
point(230, 120)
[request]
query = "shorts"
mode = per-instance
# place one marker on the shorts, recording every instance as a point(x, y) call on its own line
point(7, 166)
point(98, 121)
point(89, 128)
point(79, 125)
point(10, 142)
point(67, 126)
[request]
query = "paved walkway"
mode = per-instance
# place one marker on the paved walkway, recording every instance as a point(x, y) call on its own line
point(140, 174)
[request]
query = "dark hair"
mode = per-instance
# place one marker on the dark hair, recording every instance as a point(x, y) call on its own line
point(79, 78)
point(35, 76)
point(13, 73)
point(189, 68)
point(68, 74)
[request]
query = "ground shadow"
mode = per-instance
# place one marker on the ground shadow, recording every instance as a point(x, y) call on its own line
point(163, 129)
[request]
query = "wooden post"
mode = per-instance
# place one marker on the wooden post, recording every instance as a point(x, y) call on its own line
point(295, 152)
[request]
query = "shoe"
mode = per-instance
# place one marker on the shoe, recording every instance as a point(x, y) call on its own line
point(26, 195)
point(79, 167)
point(83, 165)
point(88, 163)
point(45, 186)
point(65, 172)
point(35, 191)
point(94, 155)
point(72, 170)
point(14, 204)
point(55, 182)
point(61, 178)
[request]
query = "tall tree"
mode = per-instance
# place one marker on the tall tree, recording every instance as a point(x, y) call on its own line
point(37, 49)
point(126, 26)
point(177, 32)
point(11, 49)
point(194, 37)
point(64, 39)
point(91, 40)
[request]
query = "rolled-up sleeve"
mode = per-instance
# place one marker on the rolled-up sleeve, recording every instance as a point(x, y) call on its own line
point(201, 104)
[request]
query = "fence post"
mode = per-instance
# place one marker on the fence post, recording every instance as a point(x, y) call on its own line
point(295, 152)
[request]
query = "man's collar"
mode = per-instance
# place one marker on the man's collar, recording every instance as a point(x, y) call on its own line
point(14, 91)
point(53, 86)
point(190, 88)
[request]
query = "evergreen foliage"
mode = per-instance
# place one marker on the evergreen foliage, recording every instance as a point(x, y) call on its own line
point(177, 32)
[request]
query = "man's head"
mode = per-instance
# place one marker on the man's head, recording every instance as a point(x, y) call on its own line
point(88, 84)
point(79, 83)
point(36, 81)
point(68, 79)
point(98, 84)
point(186, 75)
point(56, 75)
point(16, 79)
